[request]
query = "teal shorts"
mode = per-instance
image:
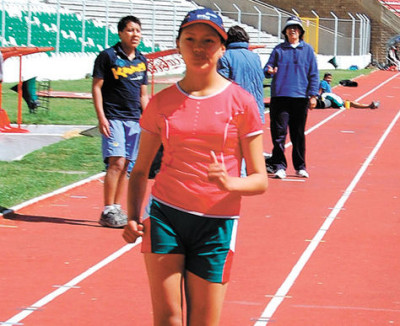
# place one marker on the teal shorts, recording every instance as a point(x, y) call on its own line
point(207, 243)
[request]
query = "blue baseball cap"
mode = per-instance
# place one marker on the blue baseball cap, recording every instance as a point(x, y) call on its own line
point(204, 16)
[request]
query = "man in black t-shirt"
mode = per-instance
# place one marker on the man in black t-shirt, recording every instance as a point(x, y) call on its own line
point(119, 95)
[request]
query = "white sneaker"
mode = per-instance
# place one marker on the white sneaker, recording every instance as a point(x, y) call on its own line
point(302, 173)
point(281, 174)
point(375, 104)
point(114, 218)
point(267, 155)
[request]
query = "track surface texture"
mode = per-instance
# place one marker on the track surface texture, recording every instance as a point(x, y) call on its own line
point(322, 251)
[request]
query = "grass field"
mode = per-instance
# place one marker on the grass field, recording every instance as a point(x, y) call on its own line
point(69, 160)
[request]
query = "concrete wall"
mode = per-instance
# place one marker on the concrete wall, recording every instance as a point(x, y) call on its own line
point(384, 23)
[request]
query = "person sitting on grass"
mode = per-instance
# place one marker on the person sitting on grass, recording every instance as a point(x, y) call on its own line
point(327, 99)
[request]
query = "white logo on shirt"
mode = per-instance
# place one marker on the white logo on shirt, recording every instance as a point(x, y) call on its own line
point(137, 78)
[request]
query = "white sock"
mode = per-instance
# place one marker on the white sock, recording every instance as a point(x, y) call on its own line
point(108, 208)
point(117, 206)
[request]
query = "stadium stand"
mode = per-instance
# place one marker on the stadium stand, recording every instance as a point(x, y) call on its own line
point(85, 27)
point(90, 26)
point(160, 20)
point(393, 6)
point(36, 25)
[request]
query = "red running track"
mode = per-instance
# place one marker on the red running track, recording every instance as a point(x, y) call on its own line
point(317, 252)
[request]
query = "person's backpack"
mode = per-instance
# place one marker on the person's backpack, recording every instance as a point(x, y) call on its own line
point(348, 83)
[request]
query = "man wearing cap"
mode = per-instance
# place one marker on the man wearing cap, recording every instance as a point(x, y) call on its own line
point(294, 88)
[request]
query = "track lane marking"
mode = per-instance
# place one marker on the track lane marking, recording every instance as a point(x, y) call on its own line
point(305, 257)
point(69, 285)
point(51, 194)
point(48, 298)
point(319, 124)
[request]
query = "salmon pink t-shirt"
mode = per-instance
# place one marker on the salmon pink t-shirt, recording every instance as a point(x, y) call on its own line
point(190, 127)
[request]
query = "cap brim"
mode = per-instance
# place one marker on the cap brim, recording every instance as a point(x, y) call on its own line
point(209, 23)
point(294, 24)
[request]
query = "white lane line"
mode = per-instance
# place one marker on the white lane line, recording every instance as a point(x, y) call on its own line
point(377, 87)
point(319, 124)
point(64, 189)
point(298, 267)
point(50, 194)
point(69, 285)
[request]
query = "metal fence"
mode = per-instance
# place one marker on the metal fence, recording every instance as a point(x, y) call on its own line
point(331, 35)
point(345, 36)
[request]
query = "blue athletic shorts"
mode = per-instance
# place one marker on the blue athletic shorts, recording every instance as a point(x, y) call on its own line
point(123, 142)
point(207, 243)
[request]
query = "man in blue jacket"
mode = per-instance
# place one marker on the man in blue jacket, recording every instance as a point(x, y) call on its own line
point(294, 88)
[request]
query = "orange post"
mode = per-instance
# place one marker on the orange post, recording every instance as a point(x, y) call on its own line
point(4, 121)
point(9, 52)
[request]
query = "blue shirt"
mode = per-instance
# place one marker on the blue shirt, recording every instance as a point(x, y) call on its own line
point(123, 79)
point(297, 74)
point(325, 87)
point(244, 67)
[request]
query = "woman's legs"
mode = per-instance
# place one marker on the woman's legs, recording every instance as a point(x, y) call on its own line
point(165, 273)
point(195, 251)
point(204, 300)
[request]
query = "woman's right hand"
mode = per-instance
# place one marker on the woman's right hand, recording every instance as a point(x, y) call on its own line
point(271, 70)
point(217, 173)
point(132, 231)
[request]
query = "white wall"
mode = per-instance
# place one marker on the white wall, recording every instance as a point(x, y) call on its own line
point(54, 67)
point(77, 66)
point(343, 62)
